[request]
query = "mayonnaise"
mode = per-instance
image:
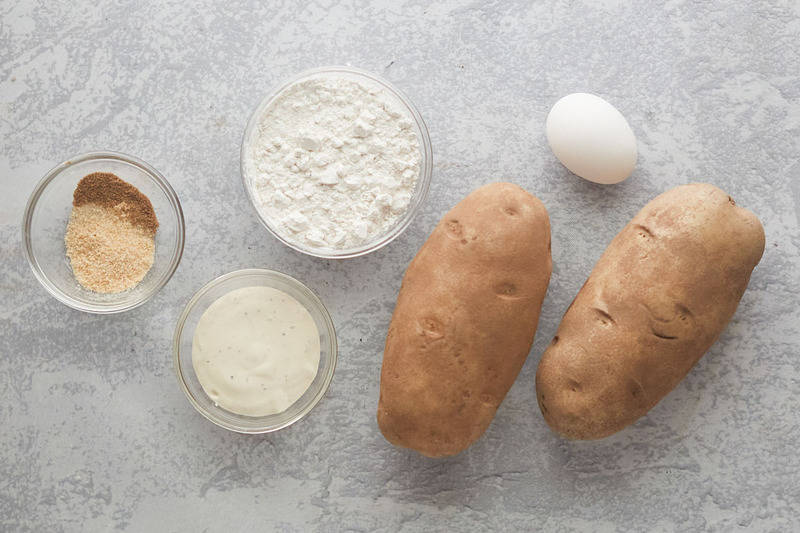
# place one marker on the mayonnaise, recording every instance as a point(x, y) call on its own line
point(255, 351)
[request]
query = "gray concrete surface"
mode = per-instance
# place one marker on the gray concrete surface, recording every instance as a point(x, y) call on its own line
point(97, 436)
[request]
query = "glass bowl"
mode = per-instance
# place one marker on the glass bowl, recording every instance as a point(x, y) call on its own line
point(45, 223)
point(182, 350)
point(423, 180)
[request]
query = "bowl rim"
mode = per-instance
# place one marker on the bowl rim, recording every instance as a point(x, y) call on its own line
point(27, 219)
point(263, 272)
point(423, 183)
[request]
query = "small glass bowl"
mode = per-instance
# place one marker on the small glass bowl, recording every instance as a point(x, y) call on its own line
point(184, 334)
point(423, 180)
point(45, 224)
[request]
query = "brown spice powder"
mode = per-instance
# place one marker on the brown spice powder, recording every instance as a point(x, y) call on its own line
point(107, 190)
point(110, 237)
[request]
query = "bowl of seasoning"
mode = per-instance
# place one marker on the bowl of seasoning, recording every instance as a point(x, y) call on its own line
point(336, 162)
point(103, 232)
point(254, 351)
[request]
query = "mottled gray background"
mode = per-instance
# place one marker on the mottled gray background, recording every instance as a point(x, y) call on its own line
point(96, 434)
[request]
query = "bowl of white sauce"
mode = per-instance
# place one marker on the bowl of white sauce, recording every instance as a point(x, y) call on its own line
point(254, 350)
point(336, 162)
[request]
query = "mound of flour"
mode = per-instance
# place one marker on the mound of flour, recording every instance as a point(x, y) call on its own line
point(333, 162)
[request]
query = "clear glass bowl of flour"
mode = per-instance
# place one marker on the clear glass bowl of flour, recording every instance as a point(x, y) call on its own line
point(184, 334)
point(45, 224)
point(253, 139)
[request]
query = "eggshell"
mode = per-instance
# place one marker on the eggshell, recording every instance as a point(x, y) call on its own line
point(591, 138)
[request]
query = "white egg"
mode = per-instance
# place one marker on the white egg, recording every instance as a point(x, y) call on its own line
point(591, 138)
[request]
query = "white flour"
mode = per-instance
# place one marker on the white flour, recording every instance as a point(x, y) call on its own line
point(334, 162)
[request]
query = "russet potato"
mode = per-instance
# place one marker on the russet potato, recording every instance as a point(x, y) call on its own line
point(465, 320)
point(655, 302)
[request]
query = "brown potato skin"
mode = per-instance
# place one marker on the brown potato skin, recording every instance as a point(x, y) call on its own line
point(465, 320)
point(655, 302)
